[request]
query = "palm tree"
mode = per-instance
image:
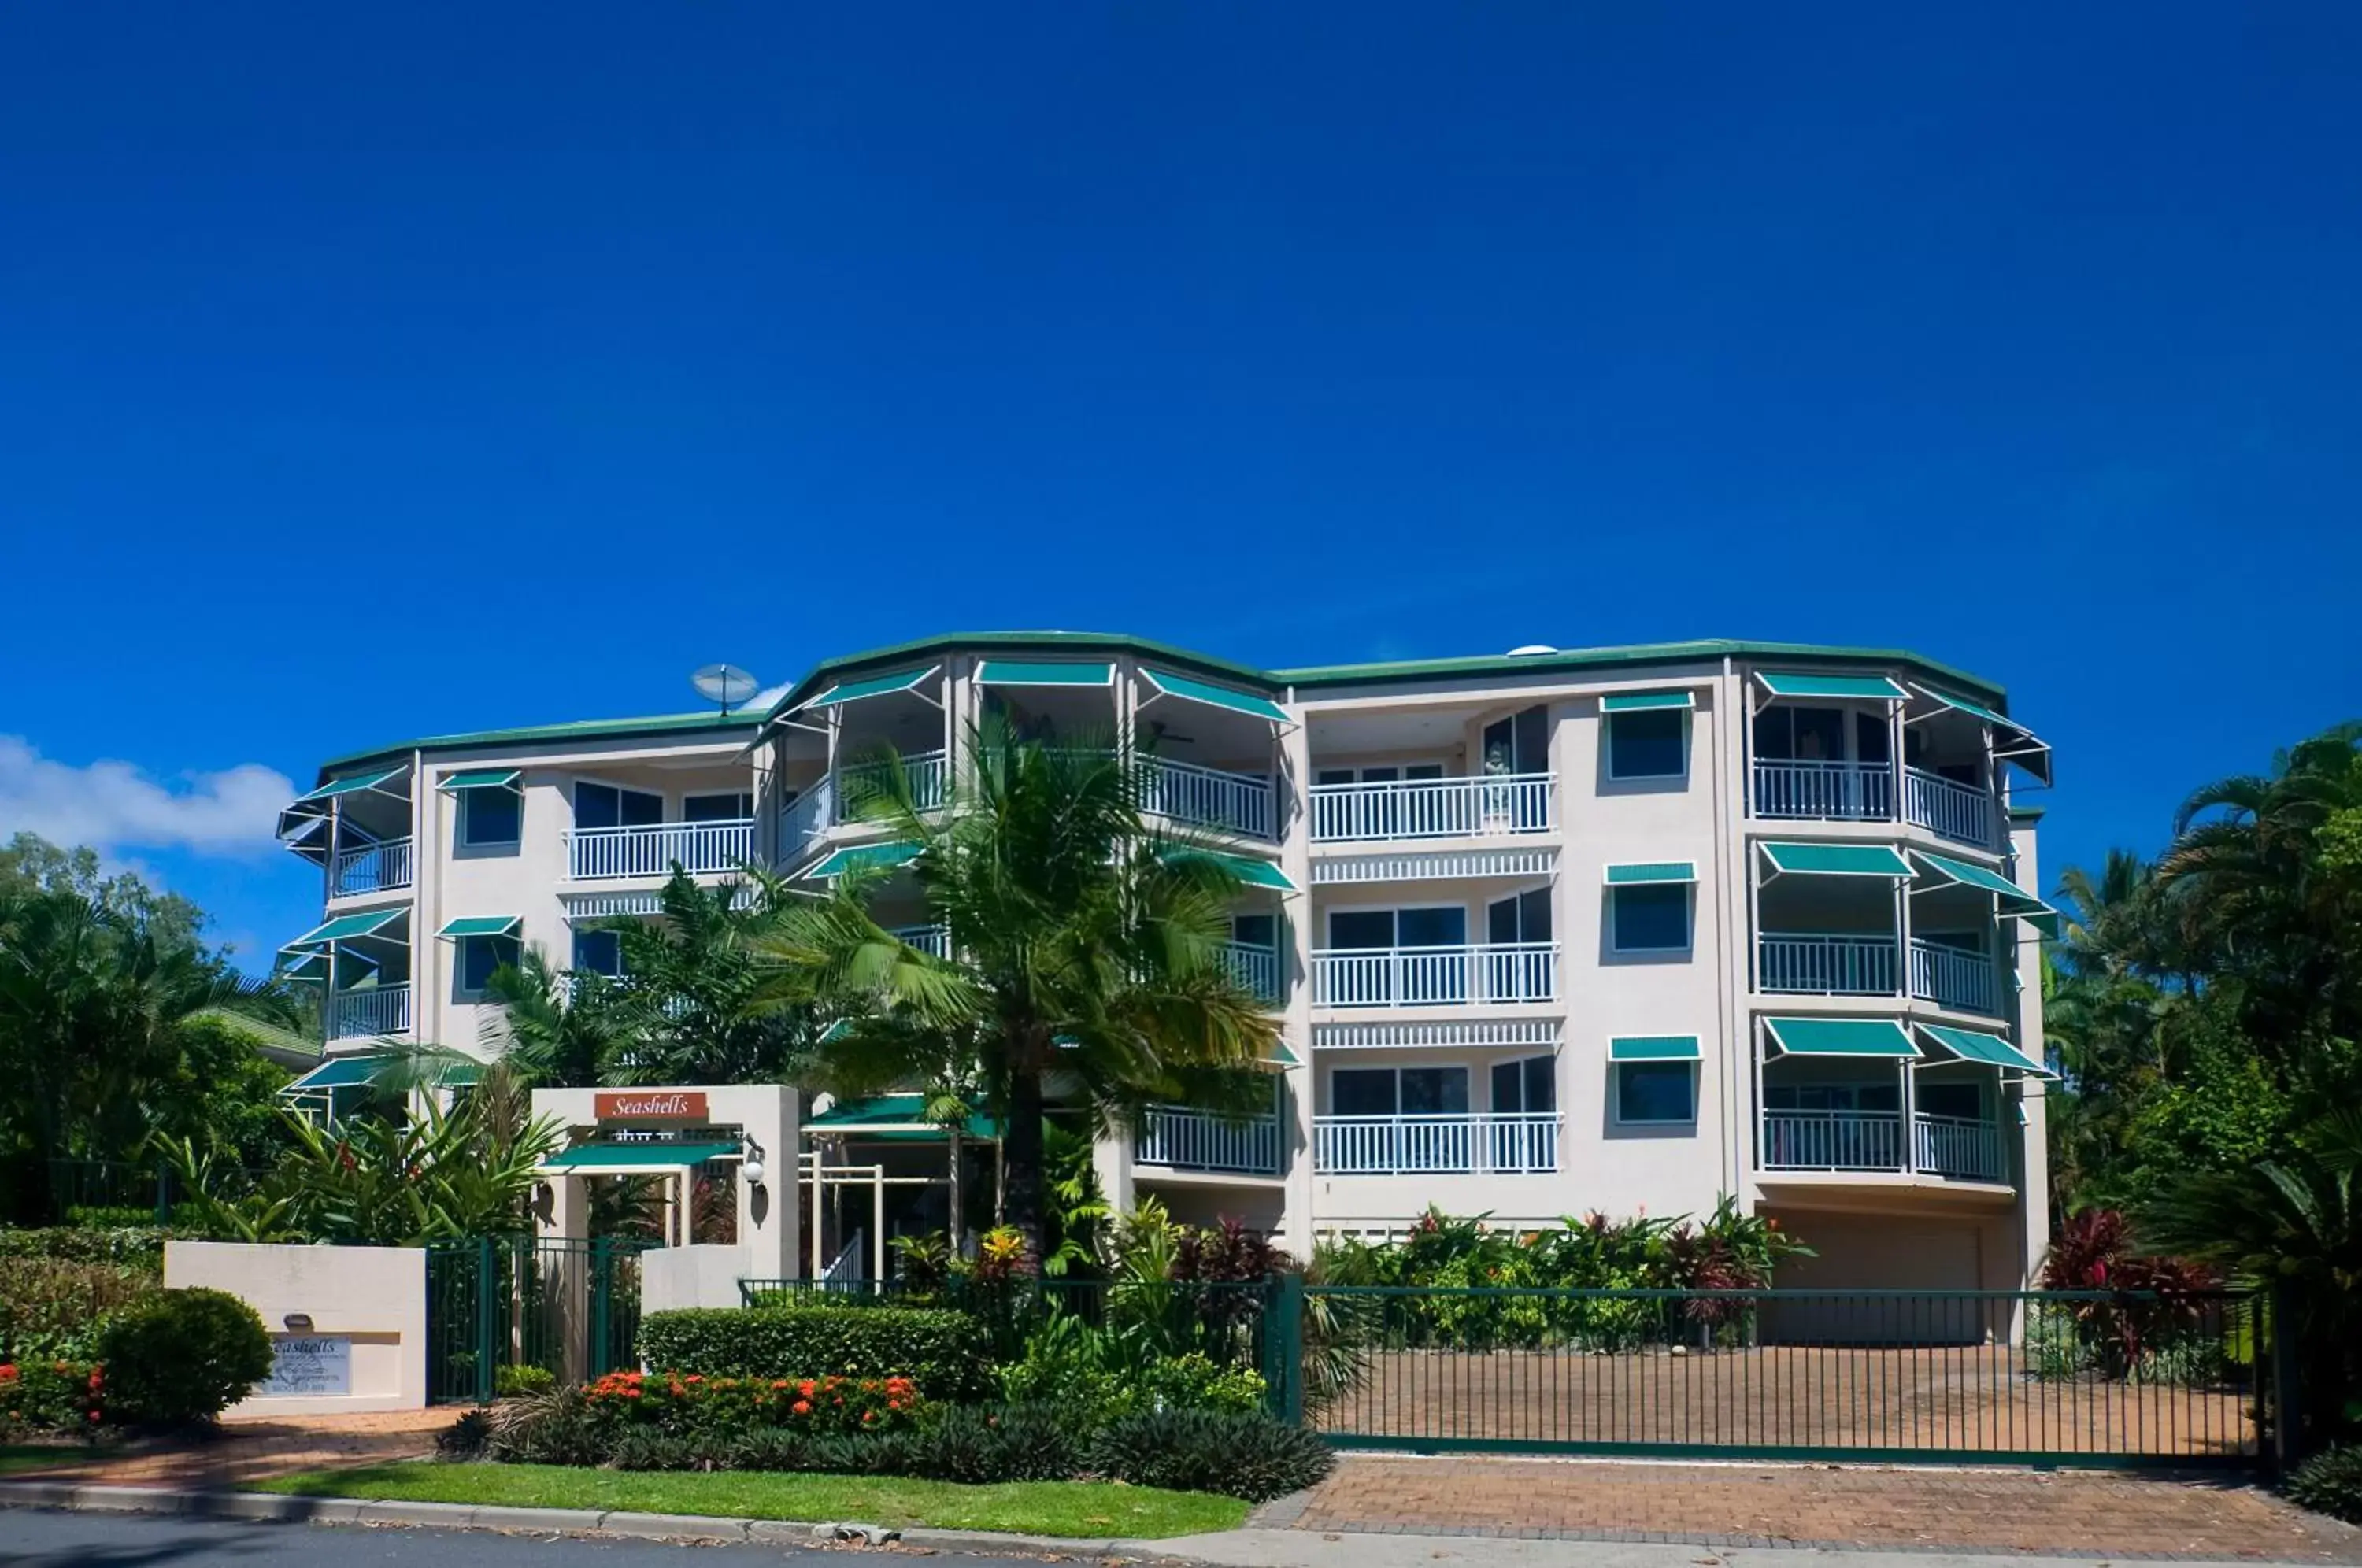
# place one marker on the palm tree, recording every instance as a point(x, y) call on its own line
point(688, 988)
point(1085, 950)
point(552, 1030)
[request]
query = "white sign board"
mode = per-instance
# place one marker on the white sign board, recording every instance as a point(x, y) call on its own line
point(310, 1363)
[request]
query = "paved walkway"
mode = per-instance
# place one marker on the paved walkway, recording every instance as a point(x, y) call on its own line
point(250, 1450)
point(2062, 1512)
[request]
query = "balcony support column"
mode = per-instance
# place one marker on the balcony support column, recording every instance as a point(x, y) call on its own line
point(1903, 939)
point(1910, 1150)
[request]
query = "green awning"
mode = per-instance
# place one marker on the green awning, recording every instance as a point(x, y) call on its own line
point(482, 778)
point(893, 1117)
point(1837, 860)
point(1653, 1048)
point(1975, 1045)
point(480, 925)
point(875, 686)
point(1645, 701)
point(862, 857)
point(343, 928)
point(1253, 706)
point(1640, 873)
point(1254, 873)
point(2015, 900)
point(311, 968)
point(1026, 672)
point(1282, 1057)
point(340, 1072)
point(1840, 1037)
point(347, 785)
point(2013, 741)
point(1873, 688)
point(602, 1159)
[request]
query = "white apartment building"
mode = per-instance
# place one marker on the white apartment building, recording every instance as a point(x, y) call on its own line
point(1552, 932)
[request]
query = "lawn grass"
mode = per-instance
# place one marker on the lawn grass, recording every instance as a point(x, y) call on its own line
point(1034, 1508)
point(18, 1457)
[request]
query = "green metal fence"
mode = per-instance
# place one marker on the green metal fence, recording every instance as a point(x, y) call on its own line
point(572, 1308)
point(1968, 1376)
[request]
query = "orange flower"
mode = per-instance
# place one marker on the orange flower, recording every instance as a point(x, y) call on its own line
point(803, 1406)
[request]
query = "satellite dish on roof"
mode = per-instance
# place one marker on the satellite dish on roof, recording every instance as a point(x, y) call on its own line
point(724, 683)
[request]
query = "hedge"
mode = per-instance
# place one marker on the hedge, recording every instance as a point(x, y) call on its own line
point(182, 1356)
point(946, 1354)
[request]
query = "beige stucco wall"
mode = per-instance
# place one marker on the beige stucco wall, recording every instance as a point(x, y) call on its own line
point(375, 1296)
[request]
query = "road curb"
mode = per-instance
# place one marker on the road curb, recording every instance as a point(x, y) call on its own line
point(276, 1507)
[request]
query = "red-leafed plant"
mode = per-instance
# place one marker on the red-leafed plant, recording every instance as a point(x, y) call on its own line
point(2149, 1300)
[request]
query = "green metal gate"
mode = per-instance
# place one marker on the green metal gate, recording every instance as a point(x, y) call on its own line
point(2052, 1378)
point(569, 1306)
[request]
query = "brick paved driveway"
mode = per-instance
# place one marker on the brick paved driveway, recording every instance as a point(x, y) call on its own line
point(248, 1450)
point(2116, 1514)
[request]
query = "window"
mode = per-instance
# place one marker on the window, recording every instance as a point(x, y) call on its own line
point(1965, 1102)
point(1518, 744)
point(1526, 918)
point(606, 806)
point(1398, 1092)
point(1656, 1092)
point(490, 817)
point(1648, 743)
point(1529, 1087)
point(599, 952)
point(1256, 931)
point(724, 808)
point(1443, 926)
point(1651, 917)
point(1880, 1096)
point(479, 955)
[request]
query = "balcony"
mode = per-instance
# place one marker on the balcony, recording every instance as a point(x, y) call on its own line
point(381, 867)
point(1183, 1140)
point(366, 1014)
point(1509, 972)
point(932, 940)
point(1237, 803)
point(1256, 969)
point(653, 850)
point(1800, 964)
point(1433, 808)
point(1824, 792)
point(837, 798)
point(1463, 1145)
point(1948, 809)
point(1956, 977)
point(1956, 1148)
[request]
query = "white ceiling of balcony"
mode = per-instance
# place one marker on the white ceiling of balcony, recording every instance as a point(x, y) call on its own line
point(1391, 730)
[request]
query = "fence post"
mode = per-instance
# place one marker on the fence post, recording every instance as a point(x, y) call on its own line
point(2287, 1379)
point(1283, 1348)
point(602, 1269)
point(486, 1320)
point(163, 1195)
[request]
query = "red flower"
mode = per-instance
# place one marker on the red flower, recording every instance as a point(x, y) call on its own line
point(803, 1406)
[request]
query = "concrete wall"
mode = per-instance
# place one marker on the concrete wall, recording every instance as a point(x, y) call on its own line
point(701, 1275)
point(374, 1296)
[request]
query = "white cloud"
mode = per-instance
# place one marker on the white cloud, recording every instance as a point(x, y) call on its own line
point(763, 700)
point(112, 805)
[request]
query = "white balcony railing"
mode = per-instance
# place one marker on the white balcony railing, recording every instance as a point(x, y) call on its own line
point(366, 1014)
point(1953, 977)
point(1435, 977)
point(1188, 1140)
point(935, 940)
point(1833, 965)
point(1956, 1146)
point(1508, 1143)
point(1949, 810)
point(653, 850)
point(1433, 808)
point(378, 868)
point(1256, 969)
point(1207, 797)
point(858, 782)
point(1826, 791)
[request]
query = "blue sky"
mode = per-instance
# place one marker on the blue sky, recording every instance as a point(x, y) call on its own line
point(367, 372)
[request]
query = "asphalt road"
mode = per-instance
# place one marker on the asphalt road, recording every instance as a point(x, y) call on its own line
point(33, 1538)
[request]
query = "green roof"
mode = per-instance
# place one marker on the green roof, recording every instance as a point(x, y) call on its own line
point(1043, 672)
point(1837, 860)
point(876, 686)
point(346, 927)
point(740, 726)
point(864, 857)
point(1840, 1037)
point(1798, 683)
point(480, 925)
point(1976, 1046)
point(637, 1156)
point(892, 1118)
point(1246, 868)
point(2015, 900)
point(1645, 701)
point(1653, 1048)
point(1637, 873)
point(1245, 703)
point(482, 778)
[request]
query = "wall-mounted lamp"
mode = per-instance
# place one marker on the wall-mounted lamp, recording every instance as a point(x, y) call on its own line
point(753, 1168)
point(298, 1322)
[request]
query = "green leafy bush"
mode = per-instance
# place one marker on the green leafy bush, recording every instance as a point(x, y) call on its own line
point(979, 1445)
point(2331, 1483)
point(691, 1403)
point(180, 1356)
point(946, 1354)
point(556, 1428)
point(140, 1247)
point(1249, 1456)
point(515, 1382)
point(53, 1307)
point(1094, 1376)
point(51, 1397)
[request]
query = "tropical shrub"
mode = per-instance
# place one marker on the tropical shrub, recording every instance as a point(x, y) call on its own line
point(53, 1307)
point(515, 1382)
point(945, 1354)
point(182, 1356)
point(1084, 1374)
point(40, 1397)
point(687, 1404)
point(556, 1428)
point(982, 1445)
point(1250, 1456)
point(136, 1248)
point(2331, 1483)
point(2155, 1306)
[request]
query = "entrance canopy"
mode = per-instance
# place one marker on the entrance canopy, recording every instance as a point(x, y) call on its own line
point(894, 1119)
point(636, 1159)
